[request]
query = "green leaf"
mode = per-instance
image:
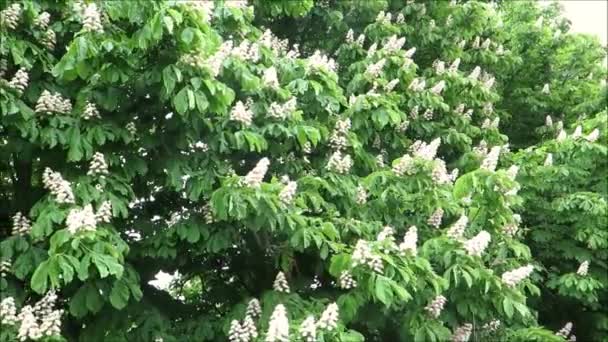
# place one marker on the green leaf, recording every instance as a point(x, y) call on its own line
point(180, 101)
point(39, 281)
point(119, 296)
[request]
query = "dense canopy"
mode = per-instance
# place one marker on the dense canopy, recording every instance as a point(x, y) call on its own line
point(311, 170)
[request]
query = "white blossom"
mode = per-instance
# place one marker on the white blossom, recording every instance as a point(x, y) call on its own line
point(500, 50)
point(583, 269)
point(435, 218)
point(474, 75)
point(549, 160)
point(438, 88)
point(435, 307)
point(409, 241)
point(255, 177)
point(512, 171)
point(372, 49)
point(462, 333)
point(486, 43)
point(253, 308)
point(339, 163)
point(439, 66)
point(361, 197)
point(329, 318)
point(476, 42)
point(391, 85)
point(546, 89)
point(58, 187)
point(578, 132)
point(561, 136)
point(20, 81)
point(593, 136)
point(280, 283)
point(282, 111)
point(235, 333)
point(548, 121)
point(278, 327)
point(104, 213)
point(510, 229)
point(410, 53)
point(565, 331)
point(417, 84)
point(346, 280)
point(98, 165)
point(11, 16)
point(49, 103)
point(241, 113)
point(81, 219)
point(492, 325)
point(308, 329)
point(270, 78)
point(288, 192)
point(512, 278)
point(457, 229)
point(373, 70)
point(427, 151)
point(8, 311)
point(318, 62)
point(362, 255)
point(360, 40)
point(49, 39)
point(350, 36)
point(42, 20)
point(400, 19)
point(404, 166)
point(5, 267)
point(21, 224)
point(394, 44)
point(478, 243)
point(439, 174)
point(491, 160)
point(91, 20)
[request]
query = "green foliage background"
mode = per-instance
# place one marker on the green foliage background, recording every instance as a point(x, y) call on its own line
point(177, 206)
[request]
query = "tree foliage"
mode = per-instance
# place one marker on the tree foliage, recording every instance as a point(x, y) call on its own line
point(355, 187)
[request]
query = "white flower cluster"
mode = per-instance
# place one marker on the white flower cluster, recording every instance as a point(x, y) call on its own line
point(130, 127)
point(255, 177)
point(457, 229)
point(491, 160)
point(491, 326)
point(80, 220)
point(269, 40)
point(21, 224)
point(546, 89)
point(386, 237)
point(548, 160)
point(384, 18)
point(436, 218)
point(476, 43)
point(428, 115)
point(42, 20)
point(3, 67)
point(435, 307)
point(548, 121)
point(244, 332)
point(489, 124)
point(104, 212)
point(5, 267)
point(391, 85)
point(308, 329)
point(8, 311)
point(49, 39)
point(583, 269)
point(320, 62)
point(361, 197)
point(593, 136)
point(474, 75)
point(510, 229)
point(338, 139)
point(282, 111)
point(486, 44)
point(394, 44)
point(410, 52)
point(91, 19)
point(280, 283)
point(253, 308)
point(363, 255)
point(247, 51)
point(20, 81)
point(98, 166)
point(454, 66)
point(242, 113)
point(41, 320)
point(58, 187)
point(53, 103)
point(346, 280)
point(439, 174)
point(462, 333)
point(476, 245)
point(405, 166)
point(288, 192)
point(339, 163)
point(438, 88)
point(578, 132)
point(512, 172)
point(439, 66)
point(278, 327)
point(512, 278)
point(329, 318)
point(11, 16)
point(90, 111)
point(270, 78)
point(409, 241)
point(374, 70)
point(418, 84)
point(424, 150)
point(565, 331)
